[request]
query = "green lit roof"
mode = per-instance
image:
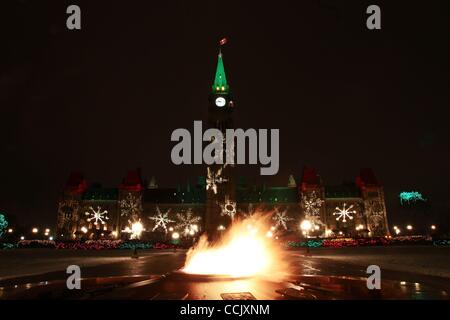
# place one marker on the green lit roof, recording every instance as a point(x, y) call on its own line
point(267, 195)
point(220, 81)
point(101, 194)
point(175, 195)
point(347, 190)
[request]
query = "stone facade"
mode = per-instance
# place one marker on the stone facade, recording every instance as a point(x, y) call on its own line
point(322, 205)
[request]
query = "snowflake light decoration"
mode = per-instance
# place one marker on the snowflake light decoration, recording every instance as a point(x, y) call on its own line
point(228, 208)
point(375, 213)
point(130, 206)
point(187, 222)
point(281, 218)
point(161, 220)
point(312, 204)
point(213, 179)
point(344, 213)
point(97, 215)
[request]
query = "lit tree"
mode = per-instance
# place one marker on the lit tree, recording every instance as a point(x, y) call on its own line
point(411, 196)
point(3, 224)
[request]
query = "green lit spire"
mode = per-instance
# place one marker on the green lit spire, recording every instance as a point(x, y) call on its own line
point(220, 81)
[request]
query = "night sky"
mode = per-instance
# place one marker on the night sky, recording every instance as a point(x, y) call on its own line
point(104, 100)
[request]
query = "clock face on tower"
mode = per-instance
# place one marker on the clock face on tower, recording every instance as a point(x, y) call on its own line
point(220, 101)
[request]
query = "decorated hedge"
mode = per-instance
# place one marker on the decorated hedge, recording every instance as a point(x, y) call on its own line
point(89, 245)
point(7, 246)
point(142, 245)
point(351, 242)
point(443, 242)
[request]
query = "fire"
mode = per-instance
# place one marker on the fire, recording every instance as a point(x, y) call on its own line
point(245, 250)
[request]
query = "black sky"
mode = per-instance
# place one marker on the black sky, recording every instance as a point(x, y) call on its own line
point(105, 99)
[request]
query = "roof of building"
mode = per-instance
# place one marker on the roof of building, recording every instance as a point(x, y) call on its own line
point(75, 183)
point(346, 190)
point(132, 181)
point(310, 178)
point(367, 178)
point(267, 195)
point(220, 84)
point(101, 194)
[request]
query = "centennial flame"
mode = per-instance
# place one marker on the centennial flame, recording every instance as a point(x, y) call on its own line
point(246, 249)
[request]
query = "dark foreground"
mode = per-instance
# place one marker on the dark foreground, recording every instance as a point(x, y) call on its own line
point(407, 273)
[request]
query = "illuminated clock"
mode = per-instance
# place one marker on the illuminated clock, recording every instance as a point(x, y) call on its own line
point(220, 101)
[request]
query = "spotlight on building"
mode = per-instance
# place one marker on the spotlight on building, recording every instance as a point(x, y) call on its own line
point(409, 227)
point(433, 227)
point(10, 230)
point(306, 225)
point(35, 230)
point(136, 230)
point(22, 238)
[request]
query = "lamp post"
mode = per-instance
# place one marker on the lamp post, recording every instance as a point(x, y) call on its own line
point(305, 226)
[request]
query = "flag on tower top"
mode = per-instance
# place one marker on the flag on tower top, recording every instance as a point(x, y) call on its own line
point(223, 41)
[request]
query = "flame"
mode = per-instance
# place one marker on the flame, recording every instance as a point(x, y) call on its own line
point(246, 249)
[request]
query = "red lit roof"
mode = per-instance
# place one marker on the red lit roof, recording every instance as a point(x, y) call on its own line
point(132, 181)
point(75, 183)
point(367, 178)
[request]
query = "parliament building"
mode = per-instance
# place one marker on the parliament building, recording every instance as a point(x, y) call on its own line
point(91, 211)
